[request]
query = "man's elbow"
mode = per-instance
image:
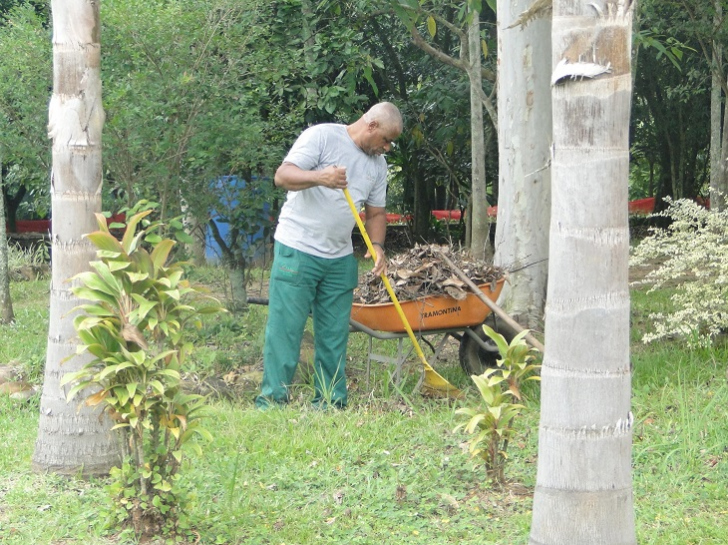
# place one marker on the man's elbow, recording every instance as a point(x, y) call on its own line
point(279, 178)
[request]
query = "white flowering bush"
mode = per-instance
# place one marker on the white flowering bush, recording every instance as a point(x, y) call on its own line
point(692, 258)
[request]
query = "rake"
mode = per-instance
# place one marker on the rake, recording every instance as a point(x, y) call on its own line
point(433, 382)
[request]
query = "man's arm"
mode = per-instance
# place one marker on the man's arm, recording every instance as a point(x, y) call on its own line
point(376, 226)
point(292, 178)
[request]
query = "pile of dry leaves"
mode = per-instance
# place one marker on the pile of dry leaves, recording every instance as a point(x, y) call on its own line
point(421, 272)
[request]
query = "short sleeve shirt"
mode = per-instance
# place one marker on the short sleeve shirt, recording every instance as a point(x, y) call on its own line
point(318, 220)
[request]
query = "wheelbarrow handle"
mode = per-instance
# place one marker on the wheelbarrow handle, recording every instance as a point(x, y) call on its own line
point(493, 306)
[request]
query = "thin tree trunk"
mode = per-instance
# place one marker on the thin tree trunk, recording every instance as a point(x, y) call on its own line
point(195, 229)
point(584, 484)
point(524, 172)
point(480, 247)
point(722, 183)
point(309, 42)
point(72, 439)
point(717, 198)
point(422, 202)
point(6, 303)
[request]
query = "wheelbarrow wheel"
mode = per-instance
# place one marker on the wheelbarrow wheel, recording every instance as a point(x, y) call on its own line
point(474, 358)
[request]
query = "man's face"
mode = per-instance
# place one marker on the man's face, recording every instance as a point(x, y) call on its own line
point(379, 138)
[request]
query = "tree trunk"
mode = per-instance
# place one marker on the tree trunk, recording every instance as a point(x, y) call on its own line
point(196, 230)
point(234, 260)
point(12, 203)
point(309, 42)
point(583, 488)
point(72, 439)
point(718, 152)
point(716, 199)
point(722, 182)
point(422, 209)
point(6, 302)
point(524, 185)
point(480, 246)
point(238, 291)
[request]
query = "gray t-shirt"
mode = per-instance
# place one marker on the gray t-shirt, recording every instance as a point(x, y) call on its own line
point(318, 220)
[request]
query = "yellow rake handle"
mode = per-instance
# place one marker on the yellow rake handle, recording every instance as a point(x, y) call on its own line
point(370, 247)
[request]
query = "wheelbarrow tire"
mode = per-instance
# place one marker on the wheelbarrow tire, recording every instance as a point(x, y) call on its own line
point(474, 359)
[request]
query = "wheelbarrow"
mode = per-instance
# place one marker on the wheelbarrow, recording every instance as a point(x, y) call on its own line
point(439, 316)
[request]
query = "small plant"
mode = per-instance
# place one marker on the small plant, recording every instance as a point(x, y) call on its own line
point(133, 325)
point(500, 388)
point(518, 362)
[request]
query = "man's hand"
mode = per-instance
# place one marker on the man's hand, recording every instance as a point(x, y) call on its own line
point(292, 178)
point(333, 177)
point(380, 263)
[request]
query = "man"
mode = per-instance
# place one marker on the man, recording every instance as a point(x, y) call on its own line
point(314, 268)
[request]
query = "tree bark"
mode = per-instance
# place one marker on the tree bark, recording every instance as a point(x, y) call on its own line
point(422, 202)
point(197, 230)
point(72, 439)
point(722, 181)
point(717, 198)
point(584, 484)
point(480, 246)
point(524, 163)
point(6, 303)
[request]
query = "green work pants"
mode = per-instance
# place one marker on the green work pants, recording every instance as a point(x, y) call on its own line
point(301, 284)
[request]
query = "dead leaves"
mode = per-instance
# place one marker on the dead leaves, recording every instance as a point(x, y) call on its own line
point(420, 272)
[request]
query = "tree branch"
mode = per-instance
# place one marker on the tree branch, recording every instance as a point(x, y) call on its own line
point(443, 57)
point(488, 105)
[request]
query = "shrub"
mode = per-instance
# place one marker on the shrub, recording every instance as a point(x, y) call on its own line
point(691, 256)
point(139, 307)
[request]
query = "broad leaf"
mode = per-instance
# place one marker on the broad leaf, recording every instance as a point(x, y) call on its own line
point(127, 240)
point(161, 253)
point(431, 26)
point(95, 282)
point(105, 241)
point(94, 295)
point(101, 221)
point(105, 273)
point(499, 339)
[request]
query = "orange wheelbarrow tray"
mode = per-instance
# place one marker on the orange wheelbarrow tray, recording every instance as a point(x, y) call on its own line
point(426, 313)
point(429, 316)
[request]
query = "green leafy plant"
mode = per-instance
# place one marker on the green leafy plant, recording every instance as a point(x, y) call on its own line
point(690, 256)
point(134, 324)
point(154, 229)
point(491, 424)
point(518, 361)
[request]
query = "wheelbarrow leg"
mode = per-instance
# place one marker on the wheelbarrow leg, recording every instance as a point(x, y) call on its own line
point(441, 345)
point(402, 356)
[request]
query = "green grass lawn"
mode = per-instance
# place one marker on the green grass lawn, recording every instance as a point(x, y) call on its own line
point(389, 469)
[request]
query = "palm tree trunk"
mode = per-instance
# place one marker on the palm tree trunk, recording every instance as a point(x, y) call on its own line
point(72, 439)
point(584, 482)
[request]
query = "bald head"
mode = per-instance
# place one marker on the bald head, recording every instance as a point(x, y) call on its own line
point(385, 114)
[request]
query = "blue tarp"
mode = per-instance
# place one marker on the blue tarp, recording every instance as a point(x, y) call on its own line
point(229, 187)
